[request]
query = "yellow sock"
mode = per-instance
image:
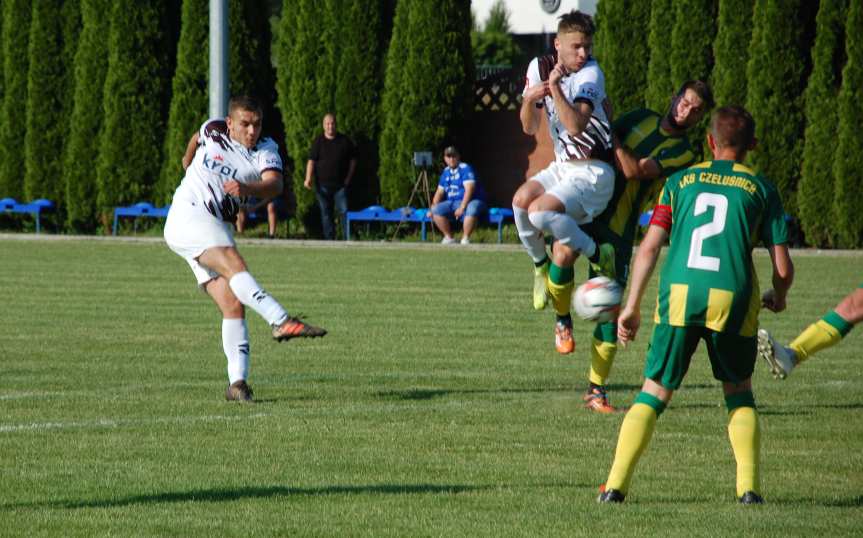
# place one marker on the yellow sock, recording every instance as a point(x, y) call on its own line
point(635, 434)
point(560, 282)
point(745, 436)
point(601, 358)
point(816, 337)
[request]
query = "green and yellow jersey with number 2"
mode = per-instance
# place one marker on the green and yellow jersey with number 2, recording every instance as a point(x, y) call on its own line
point(718, 212)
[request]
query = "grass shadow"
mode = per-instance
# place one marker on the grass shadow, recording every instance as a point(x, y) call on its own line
point(229, 495)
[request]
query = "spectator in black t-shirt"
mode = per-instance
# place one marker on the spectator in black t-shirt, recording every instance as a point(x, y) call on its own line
point(332, 162)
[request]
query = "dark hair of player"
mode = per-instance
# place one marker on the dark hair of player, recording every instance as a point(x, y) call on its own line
point(576, 21)
point(702, 89)
point(244, 102)
point(733, 127)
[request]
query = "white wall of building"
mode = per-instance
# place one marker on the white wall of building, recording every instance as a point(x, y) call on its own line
point(529, 17)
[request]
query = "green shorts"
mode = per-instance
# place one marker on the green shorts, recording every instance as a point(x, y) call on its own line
point(732, 357)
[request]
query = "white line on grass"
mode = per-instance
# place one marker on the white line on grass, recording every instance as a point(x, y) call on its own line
point(111, 423)
point(397, 245)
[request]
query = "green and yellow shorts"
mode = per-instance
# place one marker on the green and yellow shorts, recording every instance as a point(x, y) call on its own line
point(732, 357)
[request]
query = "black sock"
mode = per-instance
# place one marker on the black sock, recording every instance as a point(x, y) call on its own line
point(566, 320)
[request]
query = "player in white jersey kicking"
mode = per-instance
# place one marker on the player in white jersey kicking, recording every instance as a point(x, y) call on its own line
point(225, 162)
point(570, 87)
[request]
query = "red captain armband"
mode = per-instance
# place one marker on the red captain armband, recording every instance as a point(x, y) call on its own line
point(662, 217)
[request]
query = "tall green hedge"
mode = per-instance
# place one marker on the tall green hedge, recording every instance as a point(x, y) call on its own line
point(189, 95)
point(391, 159)
point(622, 51)
point(816, 189)
point(301, 106)
point(692, 50)
point(47, 101)
point(357, 92)
point(776, 83)
point(251, 73)
point(85, 123)
point(731, 51)
point(660, 86)
point(848, 164)
point(434, 97)
point(330, 49)
point(16, 33)
point(133, 134)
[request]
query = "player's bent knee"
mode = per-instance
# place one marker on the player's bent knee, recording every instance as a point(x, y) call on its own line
point(526, 194)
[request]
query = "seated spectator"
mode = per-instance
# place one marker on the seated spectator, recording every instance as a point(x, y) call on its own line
point(458, 195)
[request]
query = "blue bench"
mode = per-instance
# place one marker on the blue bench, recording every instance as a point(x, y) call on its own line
point(376, 213)
point(35, 208)
point(141, 209)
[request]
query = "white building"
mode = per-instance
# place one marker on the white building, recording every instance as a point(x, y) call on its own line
point(533, 16)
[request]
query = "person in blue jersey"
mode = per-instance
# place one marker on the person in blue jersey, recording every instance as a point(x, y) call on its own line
point(459, 196)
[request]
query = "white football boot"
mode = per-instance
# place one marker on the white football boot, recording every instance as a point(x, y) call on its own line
point(781, 359)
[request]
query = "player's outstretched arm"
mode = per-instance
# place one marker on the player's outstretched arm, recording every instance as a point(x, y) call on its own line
point(642, 268)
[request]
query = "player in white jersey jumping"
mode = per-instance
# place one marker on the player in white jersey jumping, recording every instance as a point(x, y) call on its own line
point(570, 86)
point(225, 162)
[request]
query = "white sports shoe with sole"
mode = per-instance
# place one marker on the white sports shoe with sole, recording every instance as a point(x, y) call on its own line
point(780, 358)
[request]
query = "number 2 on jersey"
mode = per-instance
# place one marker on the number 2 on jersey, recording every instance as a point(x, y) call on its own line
point(719, 203)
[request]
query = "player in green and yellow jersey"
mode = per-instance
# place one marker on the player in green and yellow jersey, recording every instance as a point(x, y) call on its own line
point(826, 332)
point(713, 214)
point(648, 148)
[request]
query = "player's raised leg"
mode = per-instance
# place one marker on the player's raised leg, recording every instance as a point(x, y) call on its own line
point(824, 333)
point(532, 239)
point(228, 262)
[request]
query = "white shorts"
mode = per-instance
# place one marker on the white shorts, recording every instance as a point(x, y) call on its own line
point(584, 187)
point(190, 230)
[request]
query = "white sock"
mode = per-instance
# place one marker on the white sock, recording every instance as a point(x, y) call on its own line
point(564, 228)
point(235, 342)
point(529, 235)
point(251, 294)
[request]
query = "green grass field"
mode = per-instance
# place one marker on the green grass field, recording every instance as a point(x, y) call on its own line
point(436, 406)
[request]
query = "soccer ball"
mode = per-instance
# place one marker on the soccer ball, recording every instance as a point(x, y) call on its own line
point(598, 299)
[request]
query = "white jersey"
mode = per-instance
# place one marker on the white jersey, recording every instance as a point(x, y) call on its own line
point(585, 85)
point(219, 159)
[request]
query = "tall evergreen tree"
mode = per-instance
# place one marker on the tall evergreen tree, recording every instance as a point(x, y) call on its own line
point(251, 73)
point(731, 51)
point(493, 44)
point(660, 85)
point(132, 138)
point(16, 32)
point(394, 164)
point(815, 192)
point(436, 87)
point(774, 96)
point(283, 43)
point(303, 119)
point(692, 50)
point(188, 96)
point(327, 64)
point(692, 40)
point(47, 113)
point(358, 87)
point(848, 164)
point(85, 123)
point(622, 51)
